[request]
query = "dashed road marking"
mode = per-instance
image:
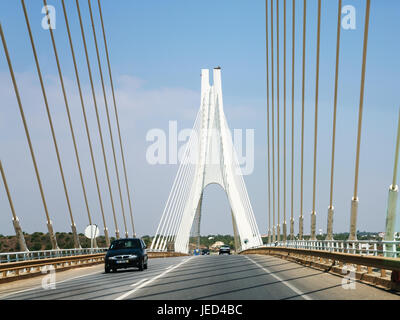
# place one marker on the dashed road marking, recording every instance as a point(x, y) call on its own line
point(139, 282)
point(143, 284)
point(299, 292)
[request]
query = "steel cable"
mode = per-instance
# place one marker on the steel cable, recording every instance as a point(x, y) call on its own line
point(86, 123)
point(98, 119)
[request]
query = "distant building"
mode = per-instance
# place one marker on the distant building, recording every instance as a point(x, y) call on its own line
point(217, 244)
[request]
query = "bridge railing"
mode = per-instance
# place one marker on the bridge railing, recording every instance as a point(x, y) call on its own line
point(363, 247)
point(8, 257)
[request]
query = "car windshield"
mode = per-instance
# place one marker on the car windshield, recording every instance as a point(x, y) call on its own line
point(125, 244)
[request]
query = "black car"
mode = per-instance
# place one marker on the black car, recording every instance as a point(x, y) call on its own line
point(205, 252)
point(126, 253)
point(224, 250)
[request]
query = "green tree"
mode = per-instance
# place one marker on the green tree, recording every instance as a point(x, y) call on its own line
point(36, 246)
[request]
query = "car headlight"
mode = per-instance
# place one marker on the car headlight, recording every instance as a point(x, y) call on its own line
point(132, 256)
point(112, 258)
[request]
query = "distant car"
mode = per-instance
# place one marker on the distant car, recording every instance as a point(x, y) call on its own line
point(126, 253)
point(205, 252)
point(224, 250)
point(196, 252)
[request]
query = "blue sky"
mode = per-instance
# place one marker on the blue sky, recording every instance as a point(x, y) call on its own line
point(157, 49)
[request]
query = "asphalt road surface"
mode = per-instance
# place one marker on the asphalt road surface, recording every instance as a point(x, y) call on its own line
point(235, 277)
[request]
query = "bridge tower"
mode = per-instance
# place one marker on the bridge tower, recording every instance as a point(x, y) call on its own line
point(209, 158)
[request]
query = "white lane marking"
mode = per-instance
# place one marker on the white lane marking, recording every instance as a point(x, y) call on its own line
point(40, 287)
point(152, 280)
point(168, 267)
point(77, 277)
point(139, 282)
point(299, 292)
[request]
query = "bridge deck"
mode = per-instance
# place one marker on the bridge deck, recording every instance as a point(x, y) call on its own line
point(202, 277)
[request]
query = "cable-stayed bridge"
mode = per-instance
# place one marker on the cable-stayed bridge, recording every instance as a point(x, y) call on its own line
point(209, 158)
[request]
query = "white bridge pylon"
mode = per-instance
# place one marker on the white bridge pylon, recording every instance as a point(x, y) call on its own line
point(209, 158)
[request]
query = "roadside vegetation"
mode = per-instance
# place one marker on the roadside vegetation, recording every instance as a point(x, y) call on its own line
point(41, 241)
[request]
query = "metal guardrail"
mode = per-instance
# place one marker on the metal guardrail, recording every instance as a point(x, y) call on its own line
point(18, 269)
point(372, 259)
point(8, 257)
point(361, 247)
point(377, 262)
point(164, 254)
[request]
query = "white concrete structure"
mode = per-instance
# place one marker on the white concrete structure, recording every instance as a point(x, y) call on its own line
point(209, 158)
